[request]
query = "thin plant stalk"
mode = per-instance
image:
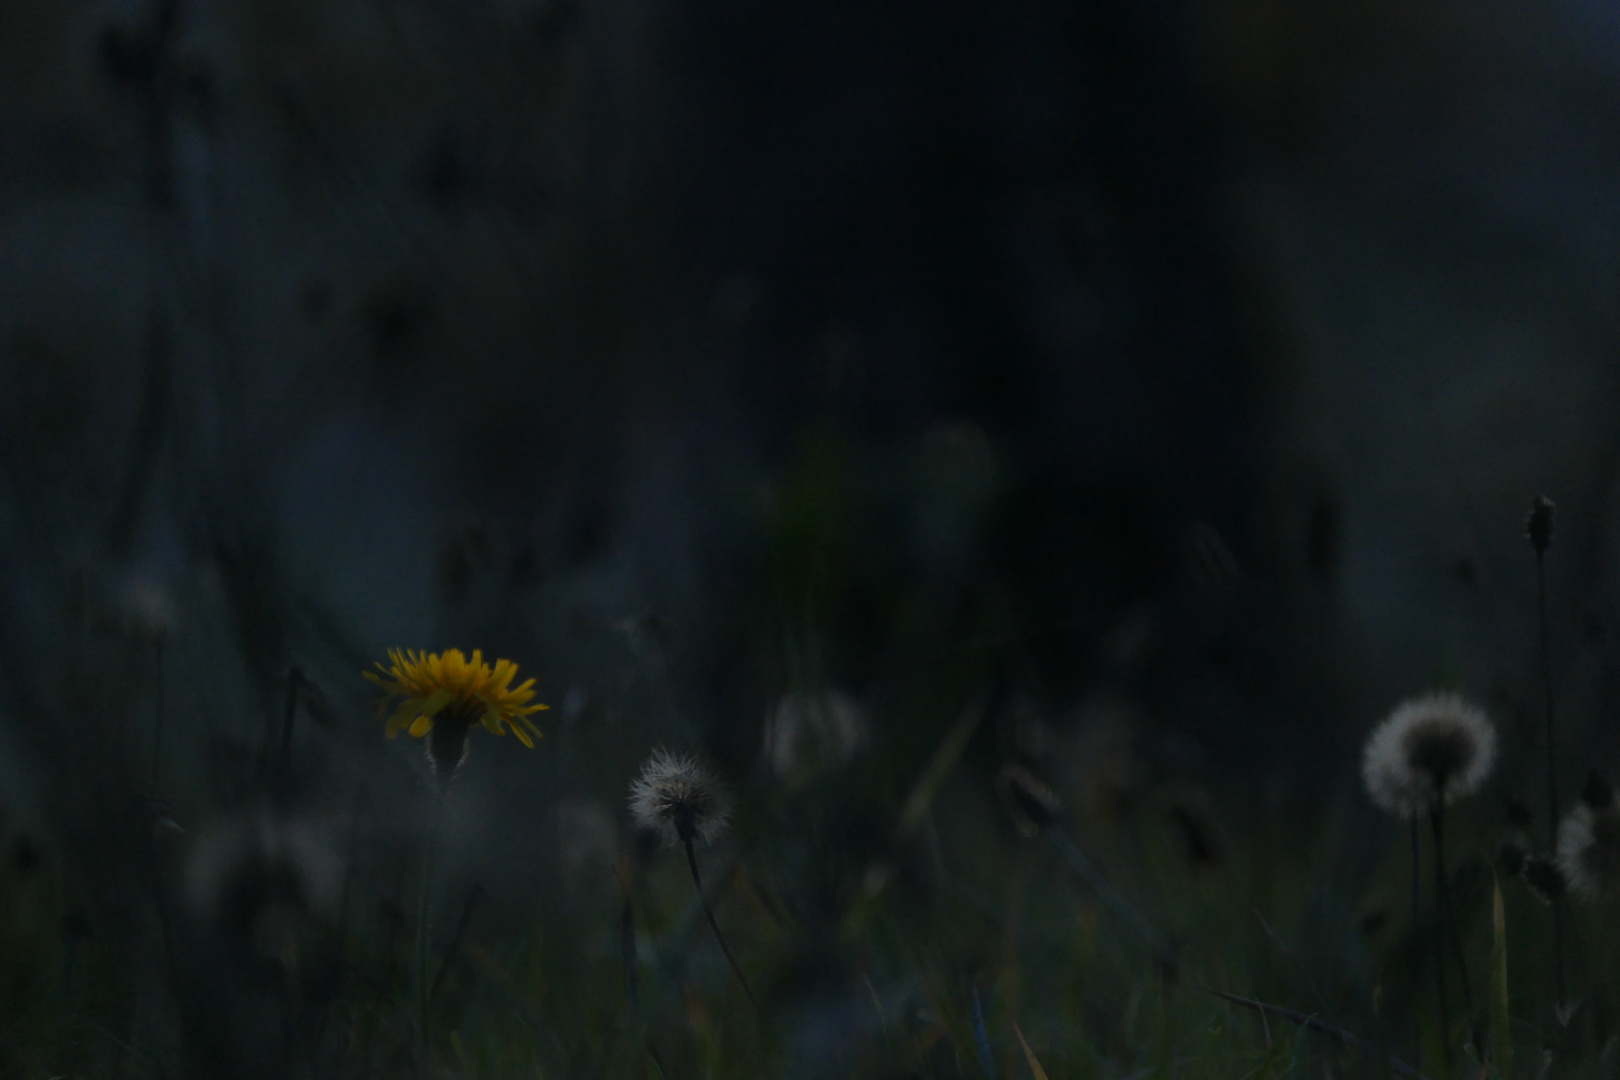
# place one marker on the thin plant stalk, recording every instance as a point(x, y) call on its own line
point(1417, 928)
point(1417, 911)
point(1552, 766)
point(627, 936)
point(1448, 914)
point(342, 918)
point(288, 717)
point(469, 909)
point(157, 725)
point(424, 912)
point(981, 1038)
point(627, 950)
point(1436, 814)
point(714, 924)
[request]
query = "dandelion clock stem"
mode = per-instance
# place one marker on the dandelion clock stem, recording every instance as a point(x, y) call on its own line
point(1448, 917)
point(714, 924)
point(1417, 927)
point(1417, 911)
point(1437, 819)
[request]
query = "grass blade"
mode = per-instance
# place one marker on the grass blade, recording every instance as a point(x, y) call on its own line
point(1501, 1025)
point(1029, 1055)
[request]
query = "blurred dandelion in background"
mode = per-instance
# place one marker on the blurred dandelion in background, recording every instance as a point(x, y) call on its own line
point(1431, 751)
point(806, 734)
point(1589, 843)
point(264, 884)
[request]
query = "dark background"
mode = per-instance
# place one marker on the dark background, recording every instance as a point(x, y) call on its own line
point(1184, 370)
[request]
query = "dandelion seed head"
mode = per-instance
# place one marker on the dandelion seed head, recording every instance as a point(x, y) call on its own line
point(679, 798)
point(1435, 748)
point(1589, 851)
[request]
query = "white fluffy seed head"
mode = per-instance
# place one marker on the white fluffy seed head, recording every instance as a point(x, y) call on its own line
point(679, 798)
point(1431, 749)
point(1589, 851)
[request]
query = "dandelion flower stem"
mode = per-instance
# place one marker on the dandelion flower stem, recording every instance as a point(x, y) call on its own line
point(424, 914)
point(697, 883)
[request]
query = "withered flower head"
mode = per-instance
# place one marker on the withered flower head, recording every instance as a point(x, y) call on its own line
point(1432, 750)
point(679, 798)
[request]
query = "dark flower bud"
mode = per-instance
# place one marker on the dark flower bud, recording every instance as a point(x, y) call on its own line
point(1598, 794)
point(1539, 529)
point(1545, 878)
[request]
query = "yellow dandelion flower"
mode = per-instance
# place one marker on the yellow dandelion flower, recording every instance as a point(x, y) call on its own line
point(452, 691)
